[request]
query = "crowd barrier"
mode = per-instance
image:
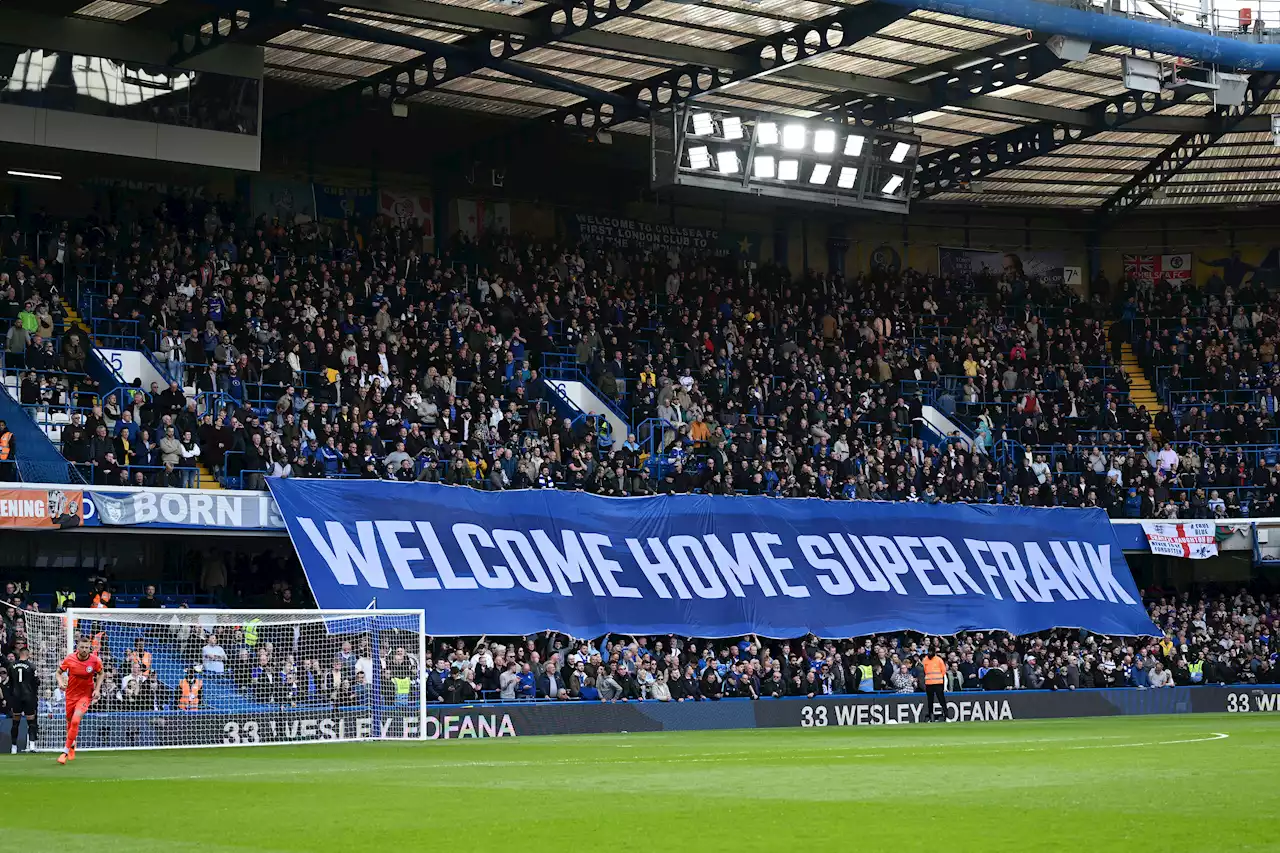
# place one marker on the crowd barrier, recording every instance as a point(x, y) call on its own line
point(452, 722)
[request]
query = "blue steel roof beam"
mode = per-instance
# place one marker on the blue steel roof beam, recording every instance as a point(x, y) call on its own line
point(945, 170)
point(1186, 149)
point(440, 63)
point(958, 87)
point(762, 56)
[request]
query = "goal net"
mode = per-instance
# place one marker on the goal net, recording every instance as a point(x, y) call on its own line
point(44, 636)
point(186, 678)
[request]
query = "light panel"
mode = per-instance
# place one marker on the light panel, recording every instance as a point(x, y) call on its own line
point(43, 176)
point(800, 160)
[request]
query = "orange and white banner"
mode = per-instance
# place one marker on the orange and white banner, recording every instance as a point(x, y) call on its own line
point(41, 509)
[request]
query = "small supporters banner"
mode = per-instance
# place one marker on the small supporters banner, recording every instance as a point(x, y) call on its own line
point(1153, 268)
point(477, 217)
point(185, 508)
point(41, 509)
point(408, 209)
point(1195, 540)
point(1045, 266)
point(626, 233)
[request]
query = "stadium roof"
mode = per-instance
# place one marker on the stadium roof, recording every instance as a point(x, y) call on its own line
point(1066, 134)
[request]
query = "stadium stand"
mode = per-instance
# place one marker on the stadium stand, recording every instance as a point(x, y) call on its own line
point(343, 351)
point(1210, 638)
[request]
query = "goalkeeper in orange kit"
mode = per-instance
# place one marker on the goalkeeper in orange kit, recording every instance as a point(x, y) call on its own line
point(80, 676)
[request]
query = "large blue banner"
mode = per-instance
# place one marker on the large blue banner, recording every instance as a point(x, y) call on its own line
point(527, 561)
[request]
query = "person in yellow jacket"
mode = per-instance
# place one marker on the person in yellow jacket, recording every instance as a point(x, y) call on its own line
point(935, 679)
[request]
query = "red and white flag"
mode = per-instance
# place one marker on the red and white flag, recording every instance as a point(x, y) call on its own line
point(1195, 540)
point(477, 217)
point(408, 208)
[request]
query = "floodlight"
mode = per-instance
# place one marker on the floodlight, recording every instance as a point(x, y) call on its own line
point(848, 177)
point(764, 166)
point(788, 170)
point(793, 137)
point(766, 133)
point(824, 141)
point(821, 171)
point(727, 162)
point(891, 185)
point(702, 124)
point(732, 127)
point(900, 152)
point(853, 145)
point(699, 157)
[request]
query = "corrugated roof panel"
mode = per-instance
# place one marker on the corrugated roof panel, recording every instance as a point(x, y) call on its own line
point(317, 81)
point(948, 121)
point(108, 10)
point(1103, 166)
point(1268, 195)
point(517, 7)
point(1138, 137)
point(1040, 176)
point(728, 100)
point(311, 62)
point(444, 98)
point(1090, 148)
point(354, 48)
point(839, 61)
point(712, 28)
point(1000, 187)
point(909, 55)
point(959, 27)
point(1018, 199)
point(496, 85)
point(567, 58)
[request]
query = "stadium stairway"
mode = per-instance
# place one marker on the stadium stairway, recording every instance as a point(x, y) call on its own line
point(207, 478)
point(72, 317)
point(1141, 391)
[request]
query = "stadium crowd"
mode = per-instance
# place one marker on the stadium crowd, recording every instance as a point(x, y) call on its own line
point(346, 350)
point(1209, 638)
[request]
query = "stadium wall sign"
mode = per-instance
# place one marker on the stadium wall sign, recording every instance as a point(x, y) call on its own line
point(523, 562)
point(452, 722)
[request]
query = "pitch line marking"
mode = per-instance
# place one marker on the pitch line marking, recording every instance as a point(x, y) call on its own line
point(682, 758)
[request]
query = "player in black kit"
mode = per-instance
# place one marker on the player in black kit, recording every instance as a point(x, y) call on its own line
point(22, 695)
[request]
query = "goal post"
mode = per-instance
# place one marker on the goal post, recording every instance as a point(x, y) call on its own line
point(204, 678)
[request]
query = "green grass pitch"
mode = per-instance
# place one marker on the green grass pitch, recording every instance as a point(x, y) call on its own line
point(1094, 785)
